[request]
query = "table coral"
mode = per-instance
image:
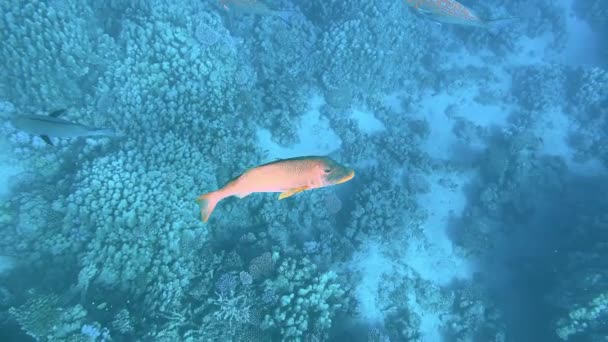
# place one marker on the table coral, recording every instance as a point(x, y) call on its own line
point(44, 319)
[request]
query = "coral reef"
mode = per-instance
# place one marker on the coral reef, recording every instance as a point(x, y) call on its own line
point(540, 89)
point(355, 52)
point(52, 53)
point(307, 300)
point(588, 90)
point(461, 138)
point(44, 320)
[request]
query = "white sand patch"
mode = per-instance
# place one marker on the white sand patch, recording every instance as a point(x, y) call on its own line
point(6, 264)
point(8, 169)
point(7, 172)
point(393, 101)
point(371, 264)
point(367, 122)
point(583, 43)
point(374, 266)
point(430, 320)
point(436, 111)
point(553, 128)
point(532, 51)
point(430, 256)
point(316, 137)
point(434, 257)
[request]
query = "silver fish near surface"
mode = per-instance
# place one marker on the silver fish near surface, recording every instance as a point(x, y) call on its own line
point(255, 7)
point(451, 12)
point(52, 126)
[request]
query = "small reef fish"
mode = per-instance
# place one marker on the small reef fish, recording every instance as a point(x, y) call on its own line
point(254, 7)
point(450, 12)
point(287, 176)
point(52, 126)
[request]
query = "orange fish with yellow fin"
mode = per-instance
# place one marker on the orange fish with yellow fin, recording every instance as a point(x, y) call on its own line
point(287, 176)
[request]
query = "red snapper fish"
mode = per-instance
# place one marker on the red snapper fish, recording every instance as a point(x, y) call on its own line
point(450, 12)
point(287, 176)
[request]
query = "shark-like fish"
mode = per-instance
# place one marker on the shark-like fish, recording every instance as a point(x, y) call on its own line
point(47, 126)
point(450, 12)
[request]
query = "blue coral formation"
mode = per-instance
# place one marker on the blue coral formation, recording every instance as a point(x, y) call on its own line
point(477, 213)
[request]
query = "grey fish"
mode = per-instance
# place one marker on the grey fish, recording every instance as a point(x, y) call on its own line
point(52, 126)
point(451, 12)
point(255, 7)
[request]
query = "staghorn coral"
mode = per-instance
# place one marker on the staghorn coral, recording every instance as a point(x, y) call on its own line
point(231, 308)
point(122, 322)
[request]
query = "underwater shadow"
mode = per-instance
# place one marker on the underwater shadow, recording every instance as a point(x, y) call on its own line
point(524, 269)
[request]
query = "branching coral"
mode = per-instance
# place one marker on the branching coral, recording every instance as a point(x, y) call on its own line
point(231, 308)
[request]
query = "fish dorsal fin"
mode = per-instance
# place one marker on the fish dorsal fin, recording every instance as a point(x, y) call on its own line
point(57, 113)
point(292, 192)
point(46, 139)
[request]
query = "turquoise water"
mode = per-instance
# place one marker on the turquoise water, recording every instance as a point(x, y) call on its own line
point(477, 211)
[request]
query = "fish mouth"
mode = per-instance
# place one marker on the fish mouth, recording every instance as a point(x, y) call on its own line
point(346, 178)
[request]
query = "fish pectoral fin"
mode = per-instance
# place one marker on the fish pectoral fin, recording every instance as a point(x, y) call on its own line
point(57, 113)
point(292, 192)
point(46, 139)
point(243, 194)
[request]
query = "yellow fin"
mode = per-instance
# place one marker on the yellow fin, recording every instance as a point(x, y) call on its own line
point(292, 192)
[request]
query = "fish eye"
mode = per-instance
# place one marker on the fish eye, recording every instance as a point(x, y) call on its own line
point(327, 170)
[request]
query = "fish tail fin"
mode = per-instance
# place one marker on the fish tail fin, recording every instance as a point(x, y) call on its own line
point(285, 16)
point(207, 202)
point(498, 20)
point(106, 132)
